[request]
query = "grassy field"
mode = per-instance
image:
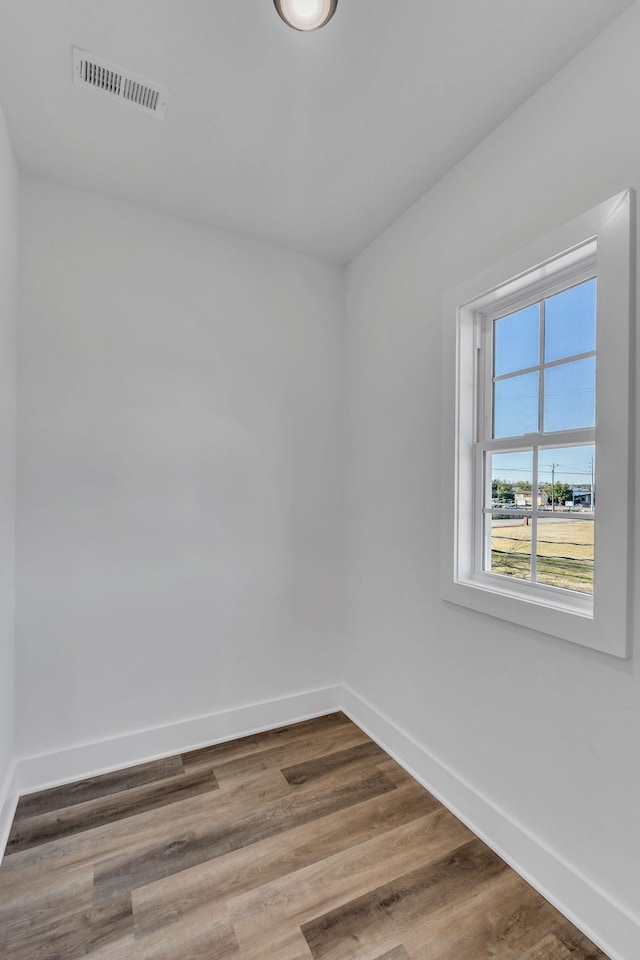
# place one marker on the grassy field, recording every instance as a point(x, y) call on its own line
point(565, 552)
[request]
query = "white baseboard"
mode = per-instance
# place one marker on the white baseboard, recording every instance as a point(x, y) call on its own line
point(8, 802)
point(608, 924)
point(92, 759)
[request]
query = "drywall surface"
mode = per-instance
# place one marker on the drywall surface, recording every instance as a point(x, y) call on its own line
point(180, 471)
point(8, 316)
point(546, 730)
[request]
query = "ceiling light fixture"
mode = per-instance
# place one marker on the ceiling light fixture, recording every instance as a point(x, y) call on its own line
point(306, 14)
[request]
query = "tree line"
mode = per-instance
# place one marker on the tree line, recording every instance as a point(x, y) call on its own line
point(505, 491)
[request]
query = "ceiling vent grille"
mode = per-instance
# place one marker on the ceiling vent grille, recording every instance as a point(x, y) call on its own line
point(113, 81)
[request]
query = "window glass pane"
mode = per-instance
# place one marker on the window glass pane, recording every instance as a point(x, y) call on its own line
point(570, 322)
point(511, 475)
point(570, 395)
point(507, 531)
point(565, 553)
point(565, 548)
point(517, 341)
point(566, 478)
point(511, 546)
point(515, 406)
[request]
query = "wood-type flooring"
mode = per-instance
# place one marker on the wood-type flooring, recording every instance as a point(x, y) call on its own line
point(303, 843)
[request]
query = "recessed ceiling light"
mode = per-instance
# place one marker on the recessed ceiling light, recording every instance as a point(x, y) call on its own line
point(306, 14)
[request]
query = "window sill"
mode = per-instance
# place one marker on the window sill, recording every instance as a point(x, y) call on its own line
point(533, 593)
point(566, 620)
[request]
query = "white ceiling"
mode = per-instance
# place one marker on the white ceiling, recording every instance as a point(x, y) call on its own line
point(316, 141)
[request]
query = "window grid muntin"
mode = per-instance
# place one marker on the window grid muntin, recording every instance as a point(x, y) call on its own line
point(547, 366)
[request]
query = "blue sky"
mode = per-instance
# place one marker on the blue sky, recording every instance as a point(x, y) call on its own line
point(572, 465)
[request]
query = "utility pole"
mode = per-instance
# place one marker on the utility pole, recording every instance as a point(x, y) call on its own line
point(592, 484)
point(553, 487)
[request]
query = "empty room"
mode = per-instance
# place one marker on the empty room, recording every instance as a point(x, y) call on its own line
point(318, 472)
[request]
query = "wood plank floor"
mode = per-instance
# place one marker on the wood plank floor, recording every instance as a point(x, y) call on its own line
point(304, 843)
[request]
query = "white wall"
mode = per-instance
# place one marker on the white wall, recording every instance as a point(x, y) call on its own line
point(8, 318)
point(548, 731)
point(180, 479)
point(180, 470)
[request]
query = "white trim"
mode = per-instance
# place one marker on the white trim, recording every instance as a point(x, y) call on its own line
point(612, 226)
point(607, 923)
point(8, 803)
point(92, 759)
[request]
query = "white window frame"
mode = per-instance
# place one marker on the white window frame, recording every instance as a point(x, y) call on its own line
point(599, 242)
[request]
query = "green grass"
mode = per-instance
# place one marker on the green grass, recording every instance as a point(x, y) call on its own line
point(554, 571)
point(565, 552)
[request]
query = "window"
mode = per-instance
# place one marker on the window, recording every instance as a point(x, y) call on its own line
point(536, 421)
point(535, 452)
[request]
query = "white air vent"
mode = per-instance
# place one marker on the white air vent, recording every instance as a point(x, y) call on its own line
point(107, 78)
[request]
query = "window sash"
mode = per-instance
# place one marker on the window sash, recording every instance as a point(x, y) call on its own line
point(539, 291)
point(482, 486)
